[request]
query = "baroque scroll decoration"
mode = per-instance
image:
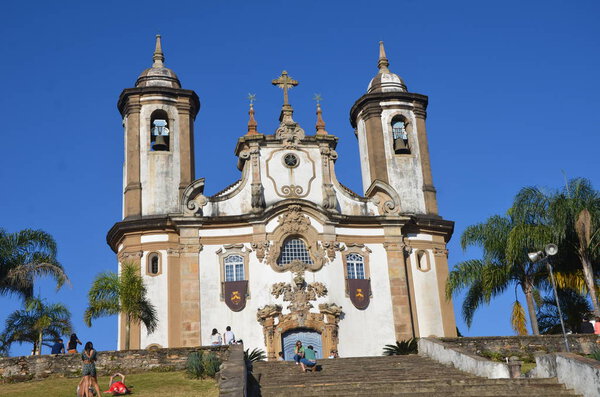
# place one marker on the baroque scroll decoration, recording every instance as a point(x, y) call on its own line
point(299, 294)
point(294, 223)
point(193, 199)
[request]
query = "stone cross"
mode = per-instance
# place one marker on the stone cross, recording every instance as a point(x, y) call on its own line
point(285, 82)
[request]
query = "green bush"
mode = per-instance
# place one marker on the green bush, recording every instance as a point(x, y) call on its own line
point(194, 365)
point(595, 354)
point(211, 364)
point(401, 348)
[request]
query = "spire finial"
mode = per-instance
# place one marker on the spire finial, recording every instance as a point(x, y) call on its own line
point(285, 82)
point(320, 126)
point(383, 62)
point(158, 57)
point(252, 124)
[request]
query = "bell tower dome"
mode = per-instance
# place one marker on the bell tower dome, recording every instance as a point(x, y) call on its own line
point(389, 122)
point(158, 117)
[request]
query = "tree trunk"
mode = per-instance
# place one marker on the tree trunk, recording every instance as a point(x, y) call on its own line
point(588, 274)
point(127, 330)
point(40, 336)
point(528, 291)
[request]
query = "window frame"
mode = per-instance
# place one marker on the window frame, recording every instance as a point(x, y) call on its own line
point(281, 252)
point(148, 265)
point(230, 250)
point(361, 250)
point(410, 142)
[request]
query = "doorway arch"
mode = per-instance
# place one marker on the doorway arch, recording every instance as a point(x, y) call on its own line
point(308, 337)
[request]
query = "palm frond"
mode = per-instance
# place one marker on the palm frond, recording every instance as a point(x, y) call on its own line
point(518, 319)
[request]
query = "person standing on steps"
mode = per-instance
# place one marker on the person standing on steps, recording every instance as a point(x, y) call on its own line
point(597, 326)
point(215, 338)
point(229, 336)
point(298, 352)
point(310, 359)
point(58, 347)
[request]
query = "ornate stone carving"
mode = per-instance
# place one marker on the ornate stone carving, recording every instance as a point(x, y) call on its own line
point(261, 249)
point(331, 309)
point(329, 198)
point(294, 221)
point(440, 251)
point(300, 293)
point(258, 198)
point(131, 255)
point(385, 204)
point(290, 133)
point(193, 198)
point(268, 311)
point(332, 246)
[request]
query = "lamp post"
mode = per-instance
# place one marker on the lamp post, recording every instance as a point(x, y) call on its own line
point(541, 256)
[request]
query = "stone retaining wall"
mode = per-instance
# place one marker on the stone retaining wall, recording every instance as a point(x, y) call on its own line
point(14, 369)
point(529, 344)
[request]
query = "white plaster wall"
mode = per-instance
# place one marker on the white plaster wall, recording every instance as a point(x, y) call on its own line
point(234, 231)
point(307, 175)
point(157, 287)
point(160, 171)
point(363, 152)
point(152, 238)
point(353, 231)
point(376, 321)
point(404, 172)
point(427, 299)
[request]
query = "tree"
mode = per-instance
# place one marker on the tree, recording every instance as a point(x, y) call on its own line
point(25, 255)
point(573, 214)
point(505, 242)
point(38, 324)
point(112, 294)
point(574, 307)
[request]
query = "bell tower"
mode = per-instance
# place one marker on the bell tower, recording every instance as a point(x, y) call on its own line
point(158, 118)
point(389, 123)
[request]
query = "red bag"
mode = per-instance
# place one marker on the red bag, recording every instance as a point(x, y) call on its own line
point(118, 389)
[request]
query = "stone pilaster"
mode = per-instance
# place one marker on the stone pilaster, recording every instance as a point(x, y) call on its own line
point(189, 267)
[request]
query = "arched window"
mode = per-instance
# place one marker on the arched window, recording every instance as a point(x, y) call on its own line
point(355, 266)
point(234, 268)
point(294, 249)
point(159, 131)
point(400, 136)
point(153, 264)
point(423, 261)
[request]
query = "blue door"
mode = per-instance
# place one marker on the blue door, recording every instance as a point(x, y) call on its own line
point(307, 336)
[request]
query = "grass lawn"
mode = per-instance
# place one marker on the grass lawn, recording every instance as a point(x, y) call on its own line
point(170, 384)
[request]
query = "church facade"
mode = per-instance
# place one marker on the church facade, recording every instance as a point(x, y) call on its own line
point(286, 252)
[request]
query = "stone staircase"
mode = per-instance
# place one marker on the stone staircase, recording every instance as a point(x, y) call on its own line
point(389, 376)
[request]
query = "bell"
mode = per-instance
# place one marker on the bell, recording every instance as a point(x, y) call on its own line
point(160, 143)
point(400, 146)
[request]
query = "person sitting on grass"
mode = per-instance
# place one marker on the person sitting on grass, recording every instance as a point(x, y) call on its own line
point(310, 359)
point(117, 388)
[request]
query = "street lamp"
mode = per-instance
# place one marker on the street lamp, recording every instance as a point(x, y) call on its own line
point(540, 256)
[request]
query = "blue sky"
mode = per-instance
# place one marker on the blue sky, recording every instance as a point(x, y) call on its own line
point(513, 89)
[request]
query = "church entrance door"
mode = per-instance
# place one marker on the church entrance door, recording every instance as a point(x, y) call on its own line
point(307, 336)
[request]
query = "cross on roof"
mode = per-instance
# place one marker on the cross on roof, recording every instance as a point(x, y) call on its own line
point(285, 82)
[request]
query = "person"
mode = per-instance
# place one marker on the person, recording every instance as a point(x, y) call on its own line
point(215, 338)
point(586, 327)
point(89, 380)
point(117, 388)
point(229, 336)
point(58, 347)
point(310, 359)
point(280, 356)
point(298, 352)
point(72, 345)
point(597, 326)
point(334, 354)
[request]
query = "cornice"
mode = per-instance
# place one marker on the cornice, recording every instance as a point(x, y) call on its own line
point(194, 104)
point(371, 102)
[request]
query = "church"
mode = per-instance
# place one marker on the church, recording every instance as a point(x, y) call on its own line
point(286, 252)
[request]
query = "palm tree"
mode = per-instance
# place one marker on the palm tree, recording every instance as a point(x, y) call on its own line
point(39, 324)
point(575, 308)
point(573, 214)
point(505, 242)
point(112, 294)
point(25, 255)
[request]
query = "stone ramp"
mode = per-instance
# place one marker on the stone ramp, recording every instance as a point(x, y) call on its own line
point(389, 376)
